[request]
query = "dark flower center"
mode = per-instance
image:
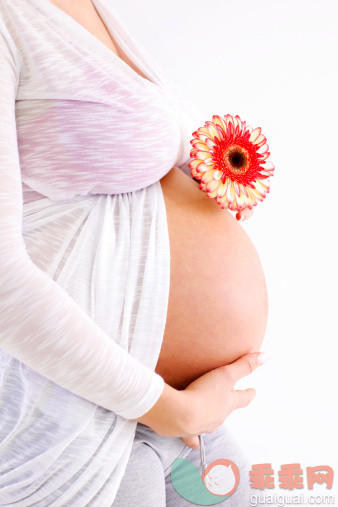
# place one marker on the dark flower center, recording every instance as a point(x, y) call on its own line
point(237, 158)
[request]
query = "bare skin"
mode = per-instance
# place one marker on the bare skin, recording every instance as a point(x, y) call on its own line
point(84, 12)
point(218, 302)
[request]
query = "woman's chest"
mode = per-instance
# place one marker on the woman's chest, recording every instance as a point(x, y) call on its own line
point(73, 147)
point(85, 14)
point(85, 128)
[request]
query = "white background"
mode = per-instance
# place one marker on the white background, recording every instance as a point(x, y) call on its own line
point(274, 63)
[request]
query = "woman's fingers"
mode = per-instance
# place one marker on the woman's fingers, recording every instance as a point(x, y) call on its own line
point(193, 442)
point(211, 397)
point(242, 398)
point(244, 365)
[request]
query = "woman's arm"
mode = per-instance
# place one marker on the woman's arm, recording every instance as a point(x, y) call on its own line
point(40, 324)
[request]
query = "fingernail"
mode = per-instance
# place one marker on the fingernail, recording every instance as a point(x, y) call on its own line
point(262, 357)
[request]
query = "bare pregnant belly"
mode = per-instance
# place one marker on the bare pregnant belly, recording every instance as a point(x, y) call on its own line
point(218, 304)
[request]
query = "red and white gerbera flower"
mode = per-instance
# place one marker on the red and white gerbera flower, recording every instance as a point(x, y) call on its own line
point(230, 160)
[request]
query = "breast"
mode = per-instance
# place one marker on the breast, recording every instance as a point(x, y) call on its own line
point(218, 302)
point(74, 148)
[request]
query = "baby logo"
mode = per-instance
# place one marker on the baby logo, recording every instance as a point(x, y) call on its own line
point(221, 477)
point(218, 481)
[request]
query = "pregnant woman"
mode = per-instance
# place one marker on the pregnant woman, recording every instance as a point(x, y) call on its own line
point(130, 302)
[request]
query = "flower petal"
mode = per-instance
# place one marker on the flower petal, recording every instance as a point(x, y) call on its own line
point(236, 121)
point(202, 155)
point(200, 145)
point(243, 189)
point(212, 129)
point(260, 140)
point(252, 199)
point(200, 169)
point(263, 187)
point(217, 175)
point(228, 119)
point(264, 156)
point(209, 143)
point(209, 161)
point(230, 191)
point(197, 166)
point(263, 149)
point(212, 186)
point(207, 176)
point(237, 189)
point(219, 121)
point(193, 164)
point(221, 189)
point(268, 166)
point(204, 130)
point(255, 134)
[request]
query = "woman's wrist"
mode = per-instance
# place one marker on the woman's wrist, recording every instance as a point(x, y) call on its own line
point(170, 415)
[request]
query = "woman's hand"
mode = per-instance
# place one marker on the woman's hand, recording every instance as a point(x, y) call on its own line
point(204, 404)
point(244, 214)
point(212, 396)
